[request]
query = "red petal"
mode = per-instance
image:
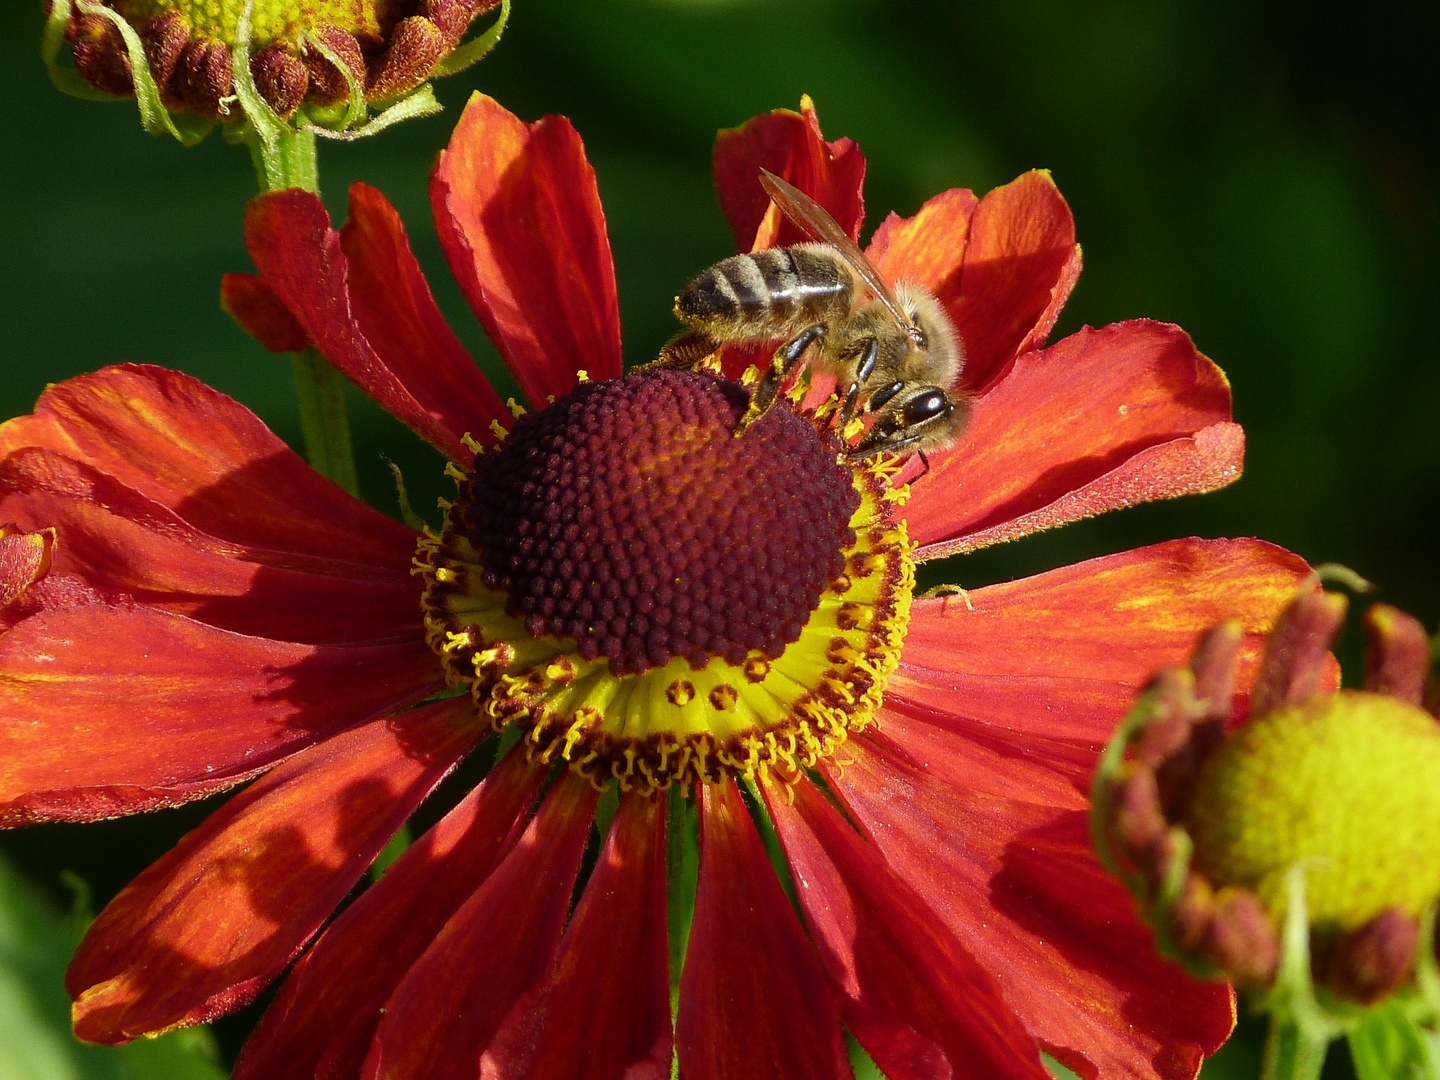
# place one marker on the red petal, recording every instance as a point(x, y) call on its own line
point(1019, 886)
point(1105, 419)
point(929, 248)
point(130, 549)
point(1060, 656)
point(604, 1014)
point(324, 1017)
point(24, 559)
point(399, 318)
point(753, 999)
point(790, 145)
point(203, 930)
point(107, 711)
point(916, 999)
point(299, 255)
point(1021, 262)
point(254, 305)
point(500, 944)
point(211, 460)
point(519, 217)
point(990, 731)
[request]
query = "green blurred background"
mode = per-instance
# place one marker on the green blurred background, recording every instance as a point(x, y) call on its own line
point(1263, 174)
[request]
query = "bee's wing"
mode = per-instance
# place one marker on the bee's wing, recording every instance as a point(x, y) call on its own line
point(811, 216)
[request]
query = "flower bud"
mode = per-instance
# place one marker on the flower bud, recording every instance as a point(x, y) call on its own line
point(1300, 849)
point(318, 63)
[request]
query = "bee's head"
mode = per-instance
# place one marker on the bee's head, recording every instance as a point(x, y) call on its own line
point(932, 334)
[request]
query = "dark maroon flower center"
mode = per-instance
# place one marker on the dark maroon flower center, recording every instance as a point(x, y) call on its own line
point(629, 517)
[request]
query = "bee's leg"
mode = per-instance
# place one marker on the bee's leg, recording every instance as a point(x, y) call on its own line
point(785, 358)
point(863, 371)
point(684, 350)
point(926, 462)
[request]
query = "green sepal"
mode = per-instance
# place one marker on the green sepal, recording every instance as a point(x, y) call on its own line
point(418, 102)
point(354, 108)
point(154, 116)
point(1389, 1045)
point(264, 120)
point(476, 48)
point(67, 80)
point(1154, 910)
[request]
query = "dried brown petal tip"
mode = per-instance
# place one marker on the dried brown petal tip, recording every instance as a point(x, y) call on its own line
point(1172, 712)
point(281, 78)
point(1397, 654)
point(204, 78)
point(165, 39)
point(1215, 663)
point(100, 55)
point(1192, 913)
point(416, 46)
point(1371, 962)
point(1297, 650)
point(328, 85)
point(1240, 939)
point(1139, 822)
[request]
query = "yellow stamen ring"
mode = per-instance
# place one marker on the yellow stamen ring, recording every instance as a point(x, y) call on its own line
point(677, 724)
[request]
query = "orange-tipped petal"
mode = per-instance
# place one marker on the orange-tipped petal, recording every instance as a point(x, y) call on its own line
point(111, 710)
point(203, 930)
point(929, 248)
point(130, 549)
point(399, 317)
point(500, 944)
point(1104, 419)
point(25, 558)
point(754, 1001)
point(301, 258)
point(322, 1020)
point(790, 145)
point(1019, 886)
point(604, 1013)
point(915, 998)
point(1021, 261)
point(253, 304)
point(1061, 655)
point(519, 216)
point(192, 449)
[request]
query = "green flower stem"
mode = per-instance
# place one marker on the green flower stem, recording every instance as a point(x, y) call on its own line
point(290, 160)
point(1293, 1051)
point(321, 390)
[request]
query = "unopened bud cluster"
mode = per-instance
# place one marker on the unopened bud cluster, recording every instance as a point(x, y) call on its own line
point(296, 50)
point(1226, 817)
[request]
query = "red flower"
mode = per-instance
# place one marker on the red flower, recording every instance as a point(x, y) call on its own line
point(214, 610)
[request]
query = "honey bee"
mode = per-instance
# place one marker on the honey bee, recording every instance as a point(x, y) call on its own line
point(894, 351)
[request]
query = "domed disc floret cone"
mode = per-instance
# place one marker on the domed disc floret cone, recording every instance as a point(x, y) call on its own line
point(1295, 853)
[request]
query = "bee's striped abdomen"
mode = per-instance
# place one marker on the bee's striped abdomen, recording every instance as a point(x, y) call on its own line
point(766, 293)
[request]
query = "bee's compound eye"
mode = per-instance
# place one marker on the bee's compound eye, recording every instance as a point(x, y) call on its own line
point(926, 406)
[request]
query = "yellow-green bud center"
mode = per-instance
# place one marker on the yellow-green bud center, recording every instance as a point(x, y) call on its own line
point(1347, 785)
point(270, 20)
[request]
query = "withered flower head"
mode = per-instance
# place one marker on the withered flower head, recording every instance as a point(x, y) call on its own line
point(1287, 842)
point(306, 63)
